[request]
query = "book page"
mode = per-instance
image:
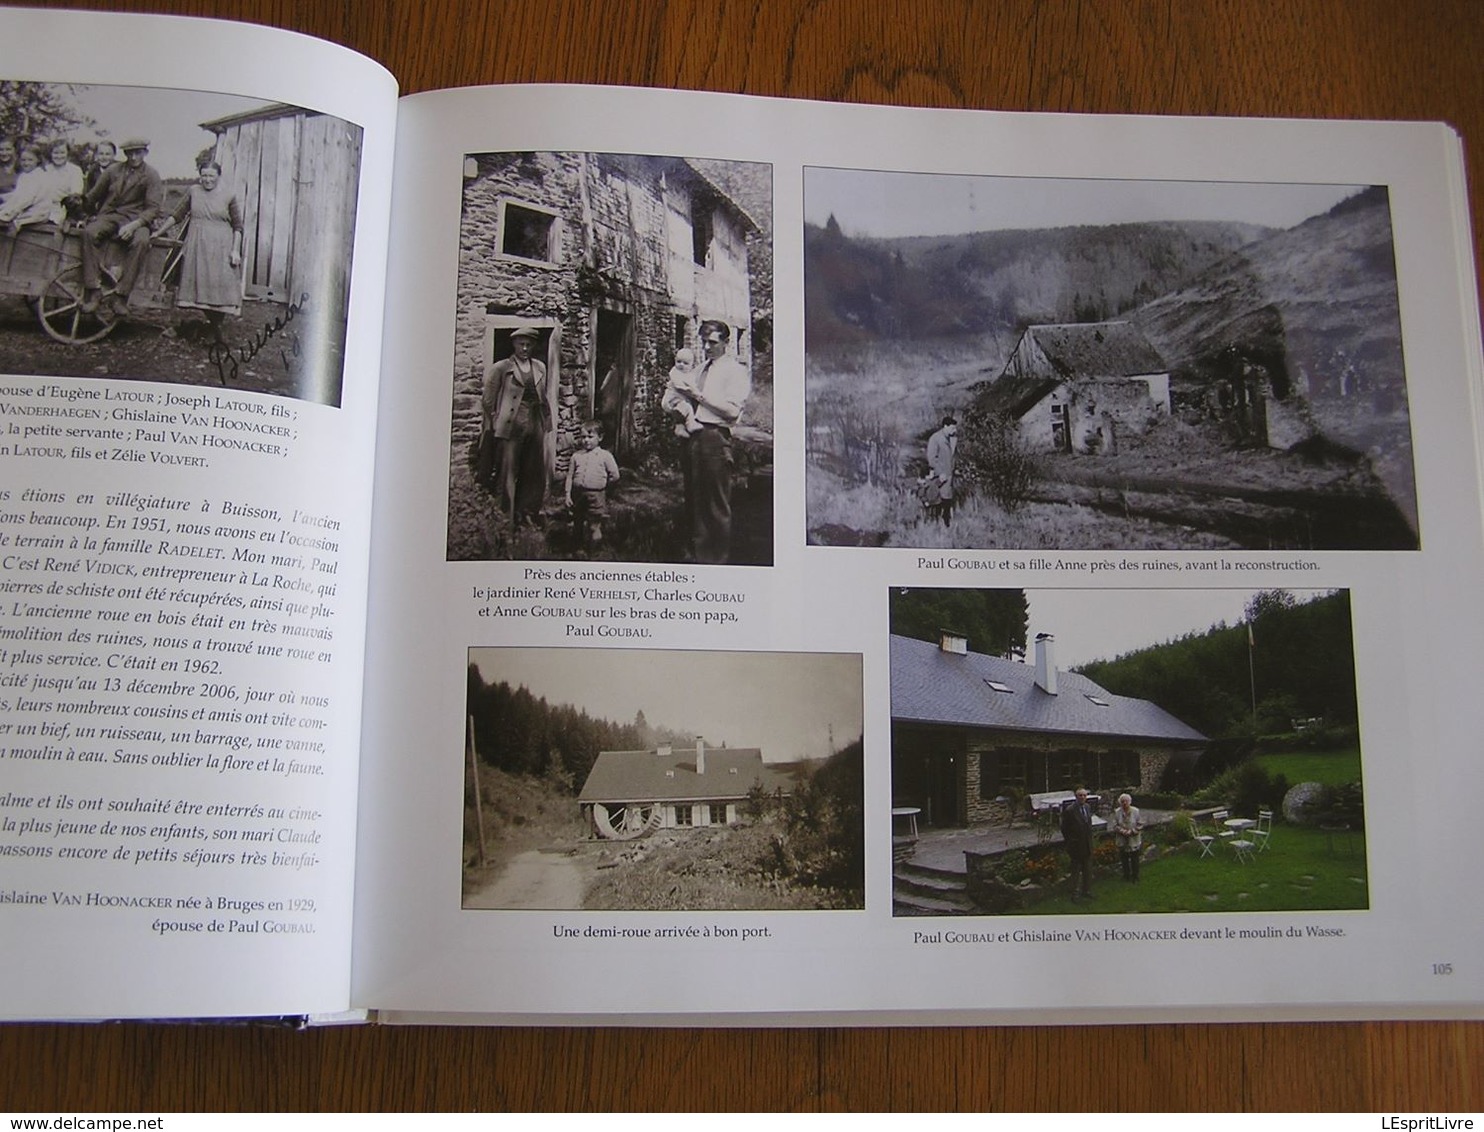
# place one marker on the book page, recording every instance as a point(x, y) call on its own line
point(852, 563)
point(192, 256)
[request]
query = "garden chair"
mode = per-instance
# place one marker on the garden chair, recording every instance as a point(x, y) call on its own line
point(1221, 831)
point(1243, 848)
point(1204, 840)
point(1263, 830)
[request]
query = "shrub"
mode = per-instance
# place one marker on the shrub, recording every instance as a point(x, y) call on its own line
point(998, 460)
point(1014, 866)
point(1342, 805)
point(1255, 789)
point(1331, 738)
point(1179, 829)
point(1247, 787)
point(1042, 870)
point(1018, 866)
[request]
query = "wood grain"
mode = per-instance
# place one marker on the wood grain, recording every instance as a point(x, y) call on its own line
point(1298, 58)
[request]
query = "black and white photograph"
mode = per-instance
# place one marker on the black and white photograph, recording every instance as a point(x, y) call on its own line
point(1061, 752)
point(613, 372)
point(1027, 363)
point(175, 236)
point(683, 781)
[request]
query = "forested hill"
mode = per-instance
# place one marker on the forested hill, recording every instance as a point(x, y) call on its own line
point(929, 286)
point(992, 620)
point(1302, 663)
point(1320, 296)
point(523, 734)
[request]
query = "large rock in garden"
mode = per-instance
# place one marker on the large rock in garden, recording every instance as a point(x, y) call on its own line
point(1302, 804)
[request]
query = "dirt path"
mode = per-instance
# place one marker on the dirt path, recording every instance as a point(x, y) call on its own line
point(534, 880)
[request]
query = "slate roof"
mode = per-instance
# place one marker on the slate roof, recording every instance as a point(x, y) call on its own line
point(1016, 395)
point(1082, 351)
point(931, 686)
point(1089, 350)
point(722, 195)
point(646, 776)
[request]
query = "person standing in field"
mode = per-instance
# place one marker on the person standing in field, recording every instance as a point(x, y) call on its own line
point(942, 454)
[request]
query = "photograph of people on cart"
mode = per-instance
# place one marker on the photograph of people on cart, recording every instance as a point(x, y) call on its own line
point(1037, 363)
point(175, 236)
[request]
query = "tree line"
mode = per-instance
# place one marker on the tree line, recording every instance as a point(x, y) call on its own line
point(1300, 664)
point(521, 733)
point(993, 621)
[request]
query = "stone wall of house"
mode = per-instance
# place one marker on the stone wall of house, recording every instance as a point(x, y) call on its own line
point(1103, 409)
point(1035, 425)
point(982, 811)
point(610, 252)
point(1152, 763)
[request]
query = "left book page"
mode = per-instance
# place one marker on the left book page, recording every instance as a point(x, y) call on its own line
point(193, 221)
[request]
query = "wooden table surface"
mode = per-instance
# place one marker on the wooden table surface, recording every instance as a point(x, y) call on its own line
point(1287, 58)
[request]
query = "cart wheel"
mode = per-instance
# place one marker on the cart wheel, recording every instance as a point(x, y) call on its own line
point(61, 314)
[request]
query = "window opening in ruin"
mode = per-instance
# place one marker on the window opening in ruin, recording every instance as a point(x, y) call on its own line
point(702, 231)
point(528, 232)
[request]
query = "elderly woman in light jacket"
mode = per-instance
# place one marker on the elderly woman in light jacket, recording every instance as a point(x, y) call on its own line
point(1128, 827)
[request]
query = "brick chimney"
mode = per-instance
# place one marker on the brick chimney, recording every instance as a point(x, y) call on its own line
point(700, 755)
point(1046, 663)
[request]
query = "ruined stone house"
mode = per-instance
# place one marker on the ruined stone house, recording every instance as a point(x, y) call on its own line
point(616, 259)
point(1074, 387)
point(971, 733)
point(1252, 392)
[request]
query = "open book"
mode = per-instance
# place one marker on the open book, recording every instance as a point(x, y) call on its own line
point(571, 555)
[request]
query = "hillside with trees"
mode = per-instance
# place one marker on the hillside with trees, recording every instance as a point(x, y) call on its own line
point(993, 621)
point(1302, 666)
point(920, 287)
point(523, 734)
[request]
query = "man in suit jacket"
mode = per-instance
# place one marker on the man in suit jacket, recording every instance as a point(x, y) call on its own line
point(517, 422)
point(942, 451)
point(127, 198)
point(1076, 831)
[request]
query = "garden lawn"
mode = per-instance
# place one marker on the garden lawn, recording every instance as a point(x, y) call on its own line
point(1333, 768)
point(1303, 870)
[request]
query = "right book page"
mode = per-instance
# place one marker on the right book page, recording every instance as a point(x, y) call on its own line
point(857, 564)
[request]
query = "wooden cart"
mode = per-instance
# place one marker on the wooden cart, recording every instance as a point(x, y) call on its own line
point(43, 265)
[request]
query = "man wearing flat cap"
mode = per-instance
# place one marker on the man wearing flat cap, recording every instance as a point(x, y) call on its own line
point(517, 420)
point(125, 200)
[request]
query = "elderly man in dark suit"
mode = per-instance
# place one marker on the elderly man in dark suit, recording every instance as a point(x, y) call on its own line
point(517, 422)
point(126, 199)
point(1076, 831)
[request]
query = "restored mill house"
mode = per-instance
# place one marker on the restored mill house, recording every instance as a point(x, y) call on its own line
point(296, 174)
point(630, 793)
point(971, 734)
point(1073, 387)
point(616, 259)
